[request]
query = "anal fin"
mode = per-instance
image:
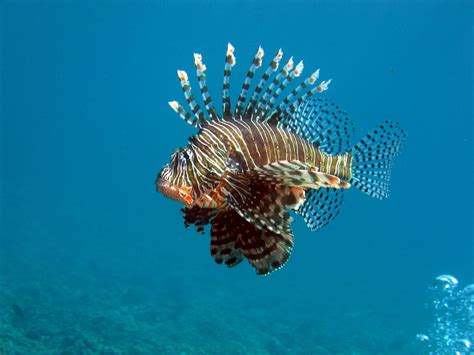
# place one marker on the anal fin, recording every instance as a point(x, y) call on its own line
point(321, 207)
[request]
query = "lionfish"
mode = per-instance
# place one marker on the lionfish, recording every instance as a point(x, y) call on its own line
point(248, 167)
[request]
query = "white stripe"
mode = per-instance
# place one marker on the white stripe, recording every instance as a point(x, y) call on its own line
point(240, 147)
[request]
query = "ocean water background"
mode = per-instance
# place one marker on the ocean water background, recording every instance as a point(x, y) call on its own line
point(93, 260)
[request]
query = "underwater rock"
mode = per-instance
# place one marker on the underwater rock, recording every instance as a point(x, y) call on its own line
point(17, 311)
point(133, 297)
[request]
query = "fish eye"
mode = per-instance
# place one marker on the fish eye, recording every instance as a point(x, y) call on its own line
point(183, 155)
point(180, 153)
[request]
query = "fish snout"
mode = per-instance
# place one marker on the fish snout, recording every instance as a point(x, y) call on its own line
point(178, 193)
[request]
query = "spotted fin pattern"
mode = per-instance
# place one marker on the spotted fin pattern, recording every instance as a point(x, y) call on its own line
point(259, 202)
point(321, 207)
point(264, 196)
point(266, 251)
point(233, 239)
point(232, 168)
point(200, 217)
point(323, 122)
point(225, 244)
point(373, 157)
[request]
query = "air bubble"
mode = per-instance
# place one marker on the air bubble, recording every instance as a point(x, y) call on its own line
point(468, 291)
point(423, 337)
point(447, 281)
point(464, 344)
point(452, 308)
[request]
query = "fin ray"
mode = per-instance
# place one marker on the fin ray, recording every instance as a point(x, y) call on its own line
point(266, 251)
point(264, 100)
point(200, 217)
point(323, 122)
point(224, 241)
point(372, 159)
point(256, 63)
point(190, 119)
point(258, 202)
point(273, 66)
point(206, 97)
point(321, 207)
point(229, 63)
point(295, 173)
point(233, 238)
point(288, 78)
point(193, 105)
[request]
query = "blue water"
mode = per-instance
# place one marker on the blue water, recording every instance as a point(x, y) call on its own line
point(93, 260)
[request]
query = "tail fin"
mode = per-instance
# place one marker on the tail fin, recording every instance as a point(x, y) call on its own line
point(372, 159)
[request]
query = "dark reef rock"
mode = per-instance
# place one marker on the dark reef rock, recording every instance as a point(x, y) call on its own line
point(17, 311)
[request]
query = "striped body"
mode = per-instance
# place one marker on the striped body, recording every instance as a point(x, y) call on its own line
point(277, 148)
point(245, 145)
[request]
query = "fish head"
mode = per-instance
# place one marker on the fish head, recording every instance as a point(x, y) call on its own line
point(173, 181)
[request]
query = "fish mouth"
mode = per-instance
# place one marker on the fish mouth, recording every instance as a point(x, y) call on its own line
point(181, 194)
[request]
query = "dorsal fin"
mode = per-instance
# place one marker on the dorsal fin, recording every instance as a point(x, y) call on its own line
point(263, 98)
point(323, 122)
point(294, 93)
point(256, 63)
point(281, 85)
point(288, 110)
point(185, 115)
point(206, 97)
point(229, 63)
point(193, 105)
point(272, 67)
point(284, 72)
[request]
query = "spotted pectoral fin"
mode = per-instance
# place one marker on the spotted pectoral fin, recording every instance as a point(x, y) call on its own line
point(309, 179)
point(264, 196)
point(265, 250)
point(198, 216)
point(259, 201)
point(225, 245)
point(233, 238)
point(295, 173)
